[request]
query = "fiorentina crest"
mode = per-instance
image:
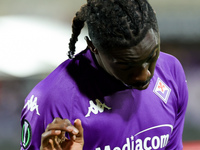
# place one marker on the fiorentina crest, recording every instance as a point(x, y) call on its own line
point(162, 90)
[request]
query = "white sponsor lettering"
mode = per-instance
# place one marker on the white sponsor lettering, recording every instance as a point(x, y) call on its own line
point(95, 109)
point(32, 104)
point(148, 143)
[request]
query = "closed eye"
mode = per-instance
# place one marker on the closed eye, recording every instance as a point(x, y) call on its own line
point(152, 57)
point(124, 67)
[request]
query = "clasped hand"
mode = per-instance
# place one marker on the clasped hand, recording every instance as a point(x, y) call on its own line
point(54, 136)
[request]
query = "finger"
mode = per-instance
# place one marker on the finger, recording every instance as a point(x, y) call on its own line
point(53, 122)
point(61, 138)
point(79, 136)
point(78, 125)
point(48, 134)
point(57, 119)
point(52, 144)
point(64, 125)
point(51, 133)
point(72, 136)
point(74, 133)
point(73, 130)
point(70, 127)
point(57, 143)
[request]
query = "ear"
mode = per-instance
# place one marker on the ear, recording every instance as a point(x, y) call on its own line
point(90, 45)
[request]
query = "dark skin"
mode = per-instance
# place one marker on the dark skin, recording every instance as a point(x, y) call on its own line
point(134, 66)
point(54, 136)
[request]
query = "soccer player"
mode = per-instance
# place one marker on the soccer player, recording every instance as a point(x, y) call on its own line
point(120, 93)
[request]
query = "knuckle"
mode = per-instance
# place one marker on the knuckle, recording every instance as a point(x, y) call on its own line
point(66, 122)
point(48, 126)
point(43, 135)
point(57, 119)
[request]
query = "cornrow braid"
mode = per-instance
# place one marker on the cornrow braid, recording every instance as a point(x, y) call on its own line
point(114, 23)
point(78, 24)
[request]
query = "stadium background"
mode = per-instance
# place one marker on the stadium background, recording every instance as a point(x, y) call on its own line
point(34, 38)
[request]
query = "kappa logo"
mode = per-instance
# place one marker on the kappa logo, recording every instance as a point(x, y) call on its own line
point(162, 90)
point(98, 108)
point(32, 104)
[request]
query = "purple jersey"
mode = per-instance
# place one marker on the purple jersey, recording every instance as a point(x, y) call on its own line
point(114, 116)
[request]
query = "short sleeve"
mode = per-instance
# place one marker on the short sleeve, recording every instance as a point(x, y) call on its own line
point(40, 108)
point(32, 122)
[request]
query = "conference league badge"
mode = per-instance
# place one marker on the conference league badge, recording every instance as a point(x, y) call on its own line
point(26, 134)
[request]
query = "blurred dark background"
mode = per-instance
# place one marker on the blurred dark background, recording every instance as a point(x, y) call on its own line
point(34, 40)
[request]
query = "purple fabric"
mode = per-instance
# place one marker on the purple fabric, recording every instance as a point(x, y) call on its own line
point(114, 117)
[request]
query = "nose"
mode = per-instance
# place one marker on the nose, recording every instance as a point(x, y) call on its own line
point(141, 74)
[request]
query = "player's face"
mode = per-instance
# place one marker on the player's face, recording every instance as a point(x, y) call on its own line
point(134, 66)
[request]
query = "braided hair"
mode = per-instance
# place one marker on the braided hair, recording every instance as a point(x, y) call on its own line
point(113, 23)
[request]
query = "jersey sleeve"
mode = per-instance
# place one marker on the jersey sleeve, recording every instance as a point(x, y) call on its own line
point(40, 109)
point(49, 99)
point(32, 122)
point(175, 142)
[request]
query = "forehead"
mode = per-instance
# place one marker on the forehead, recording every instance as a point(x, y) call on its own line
point(138, 52)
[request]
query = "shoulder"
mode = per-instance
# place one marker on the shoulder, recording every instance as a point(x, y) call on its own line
point(61, 85)
point(57, 81)
point(57, 86)
point(170, 68)
point(168, 59)
point(171, 71)
point(170, 65)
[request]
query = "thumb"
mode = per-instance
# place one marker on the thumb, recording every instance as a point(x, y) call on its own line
point(78, 125)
